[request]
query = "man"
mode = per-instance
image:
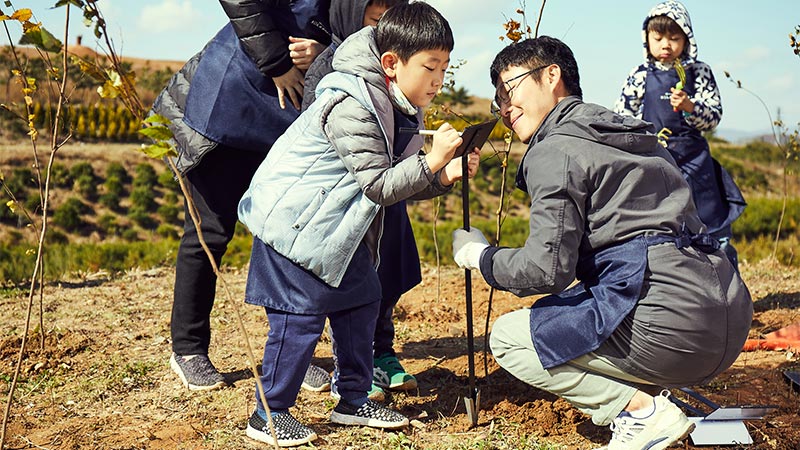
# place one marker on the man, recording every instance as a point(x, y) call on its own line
point(658, 304)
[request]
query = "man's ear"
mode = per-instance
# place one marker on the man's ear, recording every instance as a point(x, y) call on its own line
point(553, 76)
point(553, 73)
point(389, 61)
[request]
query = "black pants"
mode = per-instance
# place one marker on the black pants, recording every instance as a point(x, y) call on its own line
point(216, 186)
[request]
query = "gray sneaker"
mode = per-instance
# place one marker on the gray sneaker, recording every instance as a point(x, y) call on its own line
point(196, 372)
point(369, 414)
point(289, 431)
point(316, 379)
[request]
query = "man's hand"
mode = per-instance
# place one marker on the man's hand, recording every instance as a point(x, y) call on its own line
point(303, 51)
point(290, 83)
point(467, 248)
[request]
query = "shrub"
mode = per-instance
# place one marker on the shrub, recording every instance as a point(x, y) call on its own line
point(68, 215)
point(113, 191)
point(130, 235)
point(110, 201)
point(761, 217)
point(143, 198)
point(169, 213)
point(86, 186)
point(167, 231)
point(170, 197)
point(145, 176)
point(57, 237)
point(60, 176)
point(167, 180)
point(117, 170)
point(20, 181)
point(108, 224)
point(82, 169)
point(141, 217)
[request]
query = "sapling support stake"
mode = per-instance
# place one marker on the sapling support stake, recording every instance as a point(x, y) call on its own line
point(472, 400)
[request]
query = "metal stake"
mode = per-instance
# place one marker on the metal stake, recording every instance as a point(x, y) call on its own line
point(472, 400)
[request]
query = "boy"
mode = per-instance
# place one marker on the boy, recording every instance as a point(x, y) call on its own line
point(315, 208)
point(400, 270)
point(655, 92)
point(657, 304)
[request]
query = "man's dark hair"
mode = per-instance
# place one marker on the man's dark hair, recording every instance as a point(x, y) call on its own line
point(411, 28)
point(536, 52)
point(664, 25)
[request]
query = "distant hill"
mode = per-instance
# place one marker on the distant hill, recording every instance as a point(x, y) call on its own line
point(741, 137)
point(88, 53)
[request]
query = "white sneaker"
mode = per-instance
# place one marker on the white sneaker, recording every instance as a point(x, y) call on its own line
point(664, 427)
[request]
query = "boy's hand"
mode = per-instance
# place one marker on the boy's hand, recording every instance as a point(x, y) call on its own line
point(453, 171)
point(445, 142)
point(290, 83)
point(303, 51)
point(680, 101)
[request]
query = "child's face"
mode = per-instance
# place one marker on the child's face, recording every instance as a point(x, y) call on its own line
point(372, 13)
point(665, 48)
point(421, 77)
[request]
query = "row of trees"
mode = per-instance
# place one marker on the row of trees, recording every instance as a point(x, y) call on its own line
point(96, 122)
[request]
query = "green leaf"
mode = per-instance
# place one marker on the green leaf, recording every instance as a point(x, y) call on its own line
point(42, 39)
point(159, 150)
point(157, 118)
point(157, 133)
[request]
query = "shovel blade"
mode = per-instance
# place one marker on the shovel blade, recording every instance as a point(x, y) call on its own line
point(473, 405)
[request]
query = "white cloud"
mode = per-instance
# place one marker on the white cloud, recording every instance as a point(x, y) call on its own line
point(782, 82)
point(756, 54)
point(169, 15)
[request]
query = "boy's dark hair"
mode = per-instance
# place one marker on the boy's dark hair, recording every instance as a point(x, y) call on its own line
point(536, 52)
point(408, 29)
point(386, 3)
point(664, 25)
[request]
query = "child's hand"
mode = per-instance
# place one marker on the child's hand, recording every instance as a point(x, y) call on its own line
point(680, 101)
point(303, 51)
point(453, 171)
point(445, 142)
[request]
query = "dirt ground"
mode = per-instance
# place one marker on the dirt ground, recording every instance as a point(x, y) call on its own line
point(103, 380)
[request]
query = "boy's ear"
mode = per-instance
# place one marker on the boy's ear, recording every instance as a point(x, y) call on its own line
point(389, 61)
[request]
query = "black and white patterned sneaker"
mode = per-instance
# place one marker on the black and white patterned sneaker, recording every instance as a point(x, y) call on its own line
point(196, 372)
point(316, 379)
point(290, 432)
point(370, 414)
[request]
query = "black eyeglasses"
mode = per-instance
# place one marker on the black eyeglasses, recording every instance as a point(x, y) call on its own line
point(503, 98)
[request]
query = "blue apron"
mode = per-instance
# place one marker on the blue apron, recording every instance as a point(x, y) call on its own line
point(399, 268)
point(230, 101)
point(716, 196)
point(576, 321)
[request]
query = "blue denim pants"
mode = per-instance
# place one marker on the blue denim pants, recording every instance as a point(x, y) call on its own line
point(290, 346)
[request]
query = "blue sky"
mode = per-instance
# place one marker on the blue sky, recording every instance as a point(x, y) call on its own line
point(748, 39)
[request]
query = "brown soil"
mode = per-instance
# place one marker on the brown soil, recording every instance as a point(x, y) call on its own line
point(103, 379)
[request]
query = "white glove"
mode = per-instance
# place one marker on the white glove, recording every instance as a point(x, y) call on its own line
point(467, 248)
